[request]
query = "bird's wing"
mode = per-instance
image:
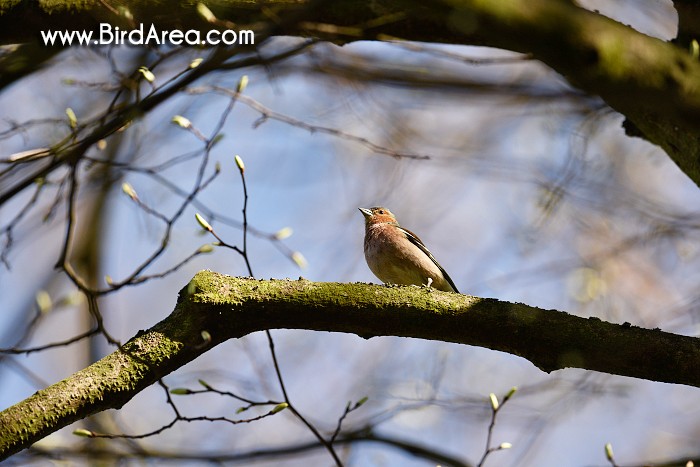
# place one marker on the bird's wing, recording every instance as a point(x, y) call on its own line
point(413, 238)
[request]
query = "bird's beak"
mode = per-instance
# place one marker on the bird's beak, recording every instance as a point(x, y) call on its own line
point(366, 212)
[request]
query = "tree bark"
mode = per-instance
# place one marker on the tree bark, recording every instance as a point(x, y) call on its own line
point(652, 82)
point(229, 307)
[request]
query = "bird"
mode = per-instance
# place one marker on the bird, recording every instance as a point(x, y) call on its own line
point(397, 256)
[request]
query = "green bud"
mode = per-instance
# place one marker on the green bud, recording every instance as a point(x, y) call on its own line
point(205, 13)
point(609, 451)
point(74, 298)
point(205, 225)
point(284, 232)
point(217, 139)
point(43, 301)
point(205, 384)
point(242, 83)
point(299, 259)
point(181, 121)
point(72, 119)
point(279, 408)
point(83, 432)
point(147, 74)
point(125, 12)
point(494, 401)
point(180, 391)
point(129, 191)
point(239, 163)
point(206, 336)
point(207, 248)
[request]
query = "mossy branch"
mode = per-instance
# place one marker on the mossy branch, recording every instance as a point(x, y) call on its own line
point(650, 81)
point(229, 307)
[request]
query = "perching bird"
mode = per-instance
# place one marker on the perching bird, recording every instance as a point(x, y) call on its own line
point(397, 256)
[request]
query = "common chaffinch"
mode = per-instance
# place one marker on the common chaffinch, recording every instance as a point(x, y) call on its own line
point(397, 256)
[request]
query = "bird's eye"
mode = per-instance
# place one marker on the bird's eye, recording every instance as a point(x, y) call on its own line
point(381, 211)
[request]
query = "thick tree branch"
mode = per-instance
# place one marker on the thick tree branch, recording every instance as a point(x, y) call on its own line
point(652, 82)
point(228, 307)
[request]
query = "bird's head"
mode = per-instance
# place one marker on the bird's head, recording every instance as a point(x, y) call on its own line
point(378, 215)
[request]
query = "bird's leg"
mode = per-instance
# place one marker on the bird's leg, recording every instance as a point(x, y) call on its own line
point(430, 281)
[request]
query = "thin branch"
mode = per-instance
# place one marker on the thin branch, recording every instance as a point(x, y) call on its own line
point(267, 114)
point(495, 408)
point(53, 345)
point(407, 446)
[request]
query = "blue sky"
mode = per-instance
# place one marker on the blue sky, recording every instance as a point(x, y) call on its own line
point(522, 199)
